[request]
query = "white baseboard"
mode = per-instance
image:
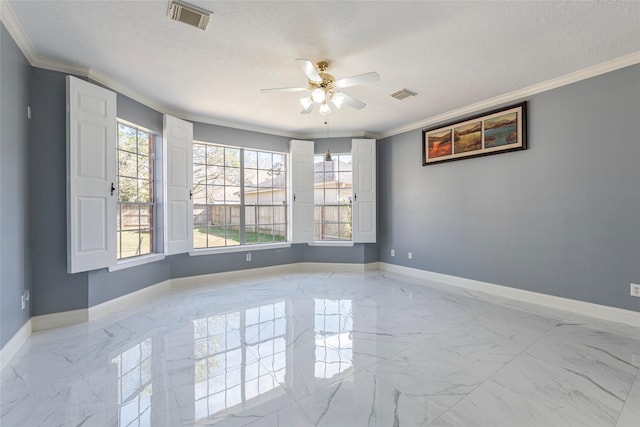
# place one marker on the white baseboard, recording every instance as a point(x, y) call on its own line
point(128, 300)
point(613, 314)
point(14, 344)
point(56, 320)
point(373, 266)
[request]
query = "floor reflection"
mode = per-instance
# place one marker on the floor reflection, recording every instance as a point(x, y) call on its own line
point(134, 385)
point(300, 350)
point(238, 356)
point(334, 339)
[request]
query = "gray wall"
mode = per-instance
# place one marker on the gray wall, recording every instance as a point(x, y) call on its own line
point(562, 218)
point(14, 186)
point(54, 290)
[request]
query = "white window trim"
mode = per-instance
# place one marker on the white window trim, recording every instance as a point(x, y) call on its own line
point(239, 248)
point(157, 250)
point(346, 243)
point(136, 261)
point(246, 247)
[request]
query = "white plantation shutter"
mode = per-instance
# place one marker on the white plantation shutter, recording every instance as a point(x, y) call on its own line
point(91, 176)
point(301, 154)
point(364, 190)
point(178, 146)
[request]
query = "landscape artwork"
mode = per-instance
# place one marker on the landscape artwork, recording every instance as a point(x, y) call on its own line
point(501, 130)
point(493, 132)
point(467, 138)
point(440, 144)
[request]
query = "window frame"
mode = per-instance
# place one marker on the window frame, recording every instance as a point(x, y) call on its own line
point(151, 204)
point(157, 187)
point(364, 205)
point(243, 226)
point(339, 241)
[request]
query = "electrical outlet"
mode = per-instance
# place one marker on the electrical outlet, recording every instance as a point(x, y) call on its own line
point(393, 252)
point(635, 290)
point(24, 298)
point(248, 256)
point(410, 255)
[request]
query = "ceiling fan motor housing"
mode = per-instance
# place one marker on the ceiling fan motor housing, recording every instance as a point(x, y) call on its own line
point(328, 80)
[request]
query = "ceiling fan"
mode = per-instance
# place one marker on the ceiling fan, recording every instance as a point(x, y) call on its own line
point(324, 87)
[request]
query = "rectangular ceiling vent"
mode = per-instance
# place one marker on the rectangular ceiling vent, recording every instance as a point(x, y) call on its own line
point(403, 94)
point(189, 14)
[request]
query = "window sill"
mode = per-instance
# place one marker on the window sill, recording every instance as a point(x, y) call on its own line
point(134, 262)
point(243, 248)
point(344, 243)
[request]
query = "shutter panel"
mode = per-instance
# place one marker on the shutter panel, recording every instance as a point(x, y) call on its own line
point(301, 153)
point(364, 190)
point(178, 146)
point(91, 174)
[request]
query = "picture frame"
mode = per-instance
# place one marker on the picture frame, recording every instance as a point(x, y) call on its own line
point(493, 132)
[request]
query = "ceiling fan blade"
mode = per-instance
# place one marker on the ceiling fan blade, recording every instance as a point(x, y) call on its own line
point(353, 102)
point(360, 79)
point(283, 89)
point(309, 69)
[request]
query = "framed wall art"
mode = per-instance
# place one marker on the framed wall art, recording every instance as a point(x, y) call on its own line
point(497, 131)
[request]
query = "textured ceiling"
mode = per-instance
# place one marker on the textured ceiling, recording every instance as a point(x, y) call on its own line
point(452, 54)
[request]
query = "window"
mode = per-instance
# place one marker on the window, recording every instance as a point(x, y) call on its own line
point(265, 196)
point(333, 192)
point(135, 219)
point(239, 196)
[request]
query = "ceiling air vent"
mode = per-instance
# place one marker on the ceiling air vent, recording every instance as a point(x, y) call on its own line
point(403, 94)
point(189, 14)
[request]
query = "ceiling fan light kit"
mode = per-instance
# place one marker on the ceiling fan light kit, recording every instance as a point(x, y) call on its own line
point(324, 87)
point(324, 108)
point(318, 96)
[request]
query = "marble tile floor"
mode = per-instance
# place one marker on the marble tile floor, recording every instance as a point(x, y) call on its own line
point(327, 349)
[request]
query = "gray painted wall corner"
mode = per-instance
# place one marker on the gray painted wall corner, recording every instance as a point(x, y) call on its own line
point(15, 271)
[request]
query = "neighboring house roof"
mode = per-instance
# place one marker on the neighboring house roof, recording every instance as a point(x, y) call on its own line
point(279, 181)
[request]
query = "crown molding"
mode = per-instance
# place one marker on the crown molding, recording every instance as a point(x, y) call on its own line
point(15, 30)
point(516, 95)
